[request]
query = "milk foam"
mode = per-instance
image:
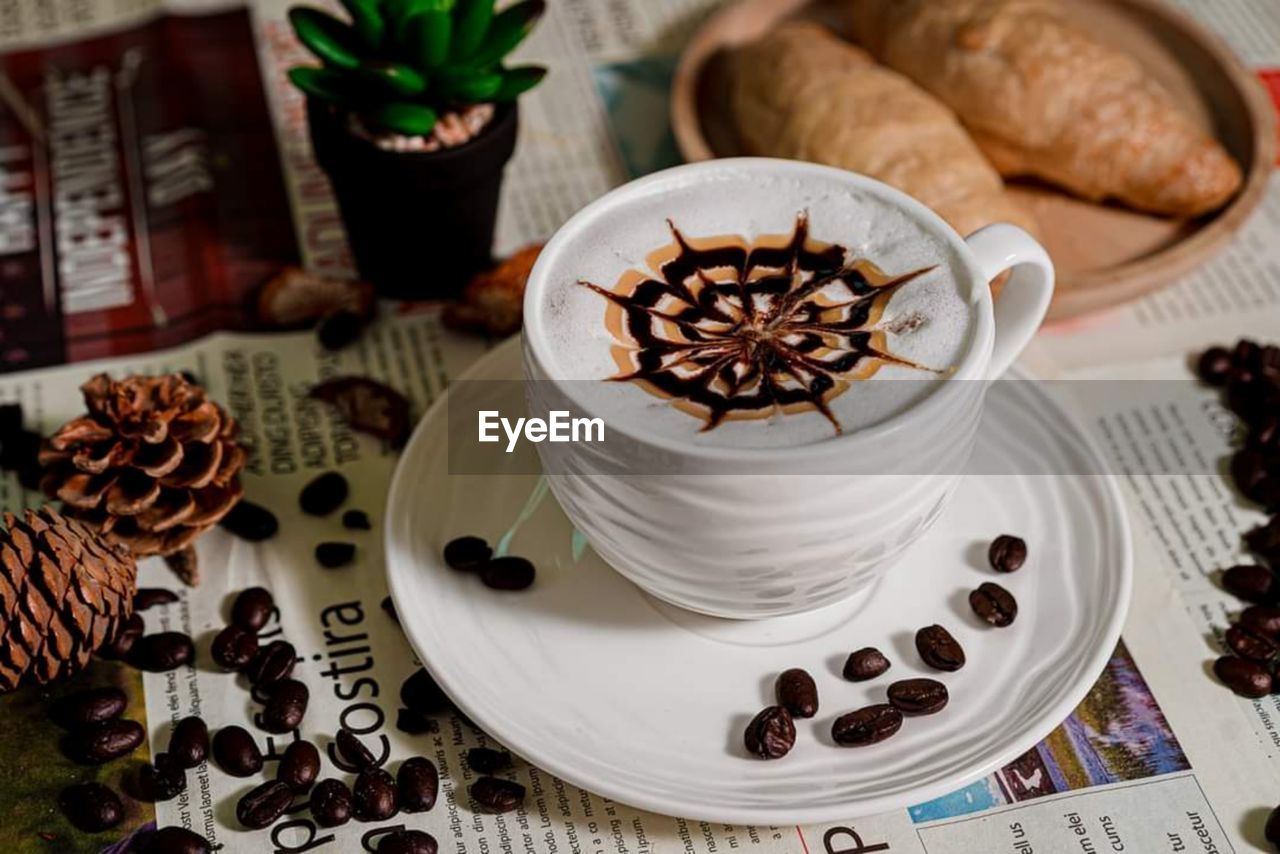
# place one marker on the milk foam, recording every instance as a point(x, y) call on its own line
point(928, 322)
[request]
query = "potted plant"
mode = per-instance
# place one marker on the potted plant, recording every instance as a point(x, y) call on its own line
point(413, 116)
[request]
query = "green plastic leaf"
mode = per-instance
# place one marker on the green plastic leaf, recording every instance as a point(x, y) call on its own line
point(471, 20)
point(395, 78)
point(508, 29)
point(367, 21)
point(320, 83)
point(517, 81)
point(468, 86)
point(402, 117)
point(401, 12)
point(332, 41)
point(428, 34)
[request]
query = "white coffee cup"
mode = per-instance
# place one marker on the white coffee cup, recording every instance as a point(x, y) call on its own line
point(758, 532)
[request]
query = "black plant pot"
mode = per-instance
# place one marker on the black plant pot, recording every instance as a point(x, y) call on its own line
point(420, 224)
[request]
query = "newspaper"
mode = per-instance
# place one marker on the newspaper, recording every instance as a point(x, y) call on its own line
point(1158, 758)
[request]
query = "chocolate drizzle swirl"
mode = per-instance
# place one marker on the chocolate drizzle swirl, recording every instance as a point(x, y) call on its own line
point(729, 329)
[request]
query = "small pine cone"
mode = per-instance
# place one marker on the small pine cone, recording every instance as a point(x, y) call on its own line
point(153, 464)
point(64, 592)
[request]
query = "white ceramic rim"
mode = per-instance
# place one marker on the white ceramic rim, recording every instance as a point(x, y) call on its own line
point(972, 367)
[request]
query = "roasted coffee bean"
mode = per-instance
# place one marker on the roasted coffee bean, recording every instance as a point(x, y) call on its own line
point(1250, 582)
point(421, 694)
point(1246, 678)
point(148, 596)
point(939, 649)
point(993, 604)
point(1272, 829)
point(498, 795)
point(408, 842)
point(286, 706)
point(189, 744)
point(918, 696)
point(91, 807)
point(251, 522)
point(414, 723)
point(162, 651)
point(339, 329)
point(1262, 619)
point(331, 803)
point(324, 494)
point(300, 766)
point(1249, 470)
point(771, 734)
point(88, 707)
point(467, 553)
point(236, 752)
point(868, 725)
point(103, 741)
point(253, 608)
point(356, 520)
point(1264, 435)
point(11, 418)
point(1214, 366)
point(1264, 541)
point(334, 554)
point(261, 806)
point(273, 663)
point(162, 780)
point(417, 783)
point(234, 648)
point(175, 840)
point(797, 693)
point(374, 795)
point(866, 663)
point(117, 649)
point(1247, 643)
point(389, 608)
point(484, 760)
point(507, 573)
point(1007, 553)
point(352, 749)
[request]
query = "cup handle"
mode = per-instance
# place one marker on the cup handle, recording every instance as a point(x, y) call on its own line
point(1025, 298)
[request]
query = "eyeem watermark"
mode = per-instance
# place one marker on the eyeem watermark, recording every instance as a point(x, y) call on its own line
point(559, 427)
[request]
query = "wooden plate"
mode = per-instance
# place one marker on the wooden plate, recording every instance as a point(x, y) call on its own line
point(1105, 254)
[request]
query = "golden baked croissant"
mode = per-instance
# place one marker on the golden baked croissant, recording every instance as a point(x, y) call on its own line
point(1044, 98)
point(805, 94)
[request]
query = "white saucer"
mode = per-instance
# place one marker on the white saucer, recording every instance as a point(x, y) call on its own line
point(592, 680)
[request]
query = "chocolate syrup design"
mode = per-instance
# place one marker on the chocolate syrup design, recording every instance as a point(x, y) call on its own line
point(729, 329)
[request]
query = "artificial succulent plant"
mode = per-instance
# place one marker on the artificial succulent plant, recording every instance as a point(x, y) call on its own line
point(399, 64)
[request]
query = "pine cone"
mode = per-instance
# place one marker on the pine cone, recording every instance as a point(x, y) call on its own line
point(152, 466)
point(64, 592)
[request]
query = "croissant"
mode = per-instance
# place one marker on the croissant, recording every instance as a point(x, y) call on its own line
point(1045, 99)
point(803, 93)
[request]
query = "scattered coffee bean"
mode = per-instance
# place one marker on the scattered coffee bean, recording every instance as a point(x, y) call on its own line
point(88, 707)
point(104, 741)
point(286, 706)
point(91, 807)
point(414, 723)
point(374, 795)
point(1250, 582)
point(485, 760)
point(148, 596)
point(324, 494)
point(338, 329)
point(1250, 472)
point(866, 663)
point(189, 744)
point(356, 520)
point(507, 573)
point(127, 635)
point(175, 840)
point(389, 608)
point(421, 694)
point(868, 725)
point(236, 752)
point(1247, 678)
point(797, 693)
point(993, 604)
point(335, 555)
point(915, 697)
point(273, 663)
point(1263, 619)
point(408, 842)
point(162, 780)
point(1272, 829)
point(1264, 541)
point(331, 803)
point(939, 649)
point(253, 608)
point(234, 648)
point(251, 522)
point(261, 806)
point(162, 651)
point(300, 766)
point(1249, 644)
point(1214, 366)
point(467, 553)
point(1007, 553)
point(418, 783)
point(771, 734)
point(352, 749)
point(498, 795)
